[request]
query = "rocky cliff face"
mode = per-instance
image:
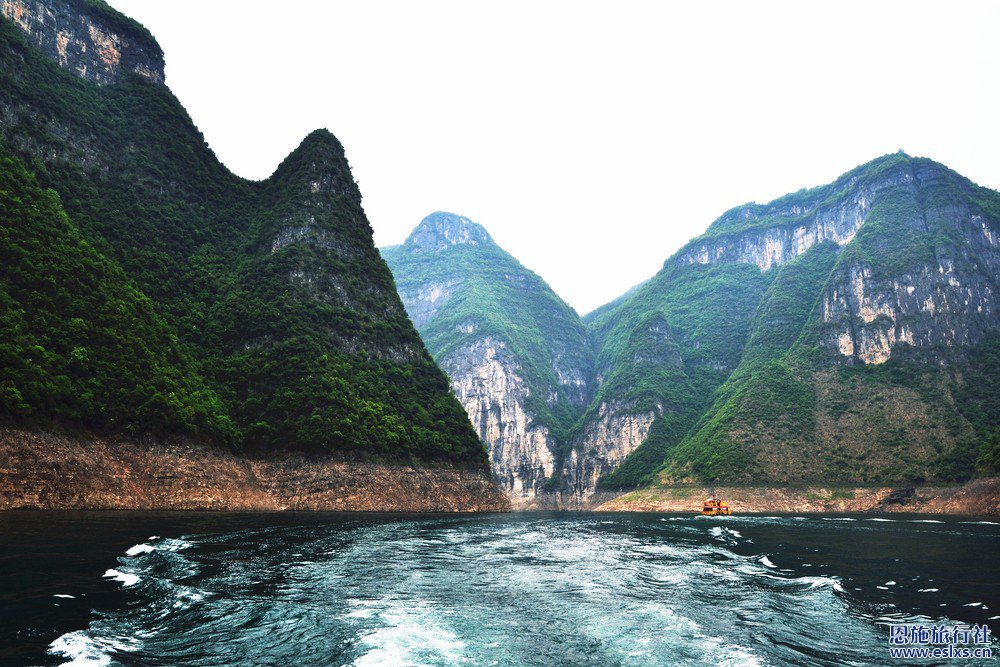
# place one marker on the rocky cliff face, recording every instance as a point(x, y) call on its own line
point(89, 39)
point(944, 298)
point(487, 379)
point(897, 258)
point(723, 364)
point(771, 234)
point(43, 470)
point(517, 355)
point(439, 231)
point(869, 316)
point(616, 431)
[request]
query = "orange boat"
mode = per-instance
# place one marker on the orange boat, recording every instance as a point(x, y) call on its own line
point(715, 507)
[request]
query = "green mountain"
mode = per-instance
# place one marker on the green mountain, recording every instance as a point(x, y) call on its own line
point(148, 290)
point(846, 333)
point(843, 333)
point(518, 356)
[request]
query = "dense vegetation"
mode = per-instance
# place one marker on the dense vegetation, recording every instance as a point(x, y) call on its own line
point(254, 313)
point(793, 411)
point(667, 348)
point(80, 343)
point(739, 366)
point(501, 299)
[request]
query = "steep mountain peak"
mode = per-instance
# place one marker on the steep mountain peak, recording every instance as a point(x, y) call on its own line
point(318, 164)
point(88, 37)
point(441, 230)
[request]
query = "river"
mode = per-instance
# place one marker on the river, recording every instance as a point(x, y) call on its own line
point(100, 588)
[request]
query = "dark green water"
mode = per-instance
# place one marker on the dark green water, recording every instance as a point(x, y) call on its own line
point(534, 588)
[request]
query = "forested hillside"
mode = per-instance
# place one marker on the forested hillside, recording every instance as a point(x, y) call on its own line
point(165, 295)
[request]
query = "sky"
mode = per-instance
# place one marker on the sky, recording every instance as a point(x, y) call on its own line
point(591, 139)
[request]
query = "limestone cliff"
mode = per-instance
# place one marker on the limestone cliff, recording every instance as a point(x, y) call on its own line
point(90, 39)
point(895, 261)
point(488, 381)
point(517, 355)
point(725, 364)
point(616, 431)
point(771, 234)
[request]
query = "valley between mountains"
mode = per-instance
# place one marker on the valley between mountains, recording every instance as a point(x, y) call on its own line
point(839, 336)
point(175, 336)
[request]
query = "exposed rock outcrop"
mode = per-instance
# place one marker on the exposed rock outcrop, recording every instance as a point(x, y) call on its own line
point(788, 229)
point(980, 497)
point(517, 355)
point(441, 230)
point(486, 380)
point(89, 39)
point(42, 470)
point(910, 271)
point(616, 431)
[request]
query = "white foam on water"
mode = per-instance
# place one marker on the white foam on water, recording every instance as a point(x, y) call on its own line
point(174, 544)
point(925, 521)
point(80, 649)
point(981, 523)
point(139, 549)
point(890, 583)
point(973, 604)
point(409, 638)
point(822, 582)
point(839, 518)
point(767, 561)
point(63, 595)
point(186, 597)
point(928, 590)
point(126, 578)
point(993, 618)
point(882, 520)
point(725, 534)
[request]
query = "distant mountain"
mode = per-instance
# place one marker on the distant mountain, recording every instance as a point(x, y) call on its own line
point(848, 332)
point(149, 291)
point(518, 356)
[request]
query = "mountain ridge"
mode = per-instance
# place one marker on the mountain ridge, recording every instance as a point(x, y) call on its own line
point(272, 288)
point(743, 318)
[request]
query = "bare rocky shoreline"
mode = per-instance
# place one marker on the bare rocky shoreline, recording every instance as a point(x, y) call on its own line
point(979, 497)
point(43, 470)
point(40, 470)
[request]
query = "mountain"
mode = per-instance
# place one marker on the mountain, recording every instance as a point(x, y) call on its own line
point(148, 291)
point(518, 356)
point(843, 333)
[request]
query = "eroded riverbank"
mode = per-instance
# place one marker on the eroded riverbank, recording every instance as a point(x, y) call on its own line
point(977, 497)
point(46, 471)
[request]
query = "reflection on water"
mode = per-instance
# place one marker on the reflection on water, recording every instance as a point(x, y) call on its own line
point(540, 589)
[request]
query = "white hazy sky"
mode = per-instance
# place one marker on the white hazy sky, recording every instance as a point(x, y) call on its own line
point(591, 139)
